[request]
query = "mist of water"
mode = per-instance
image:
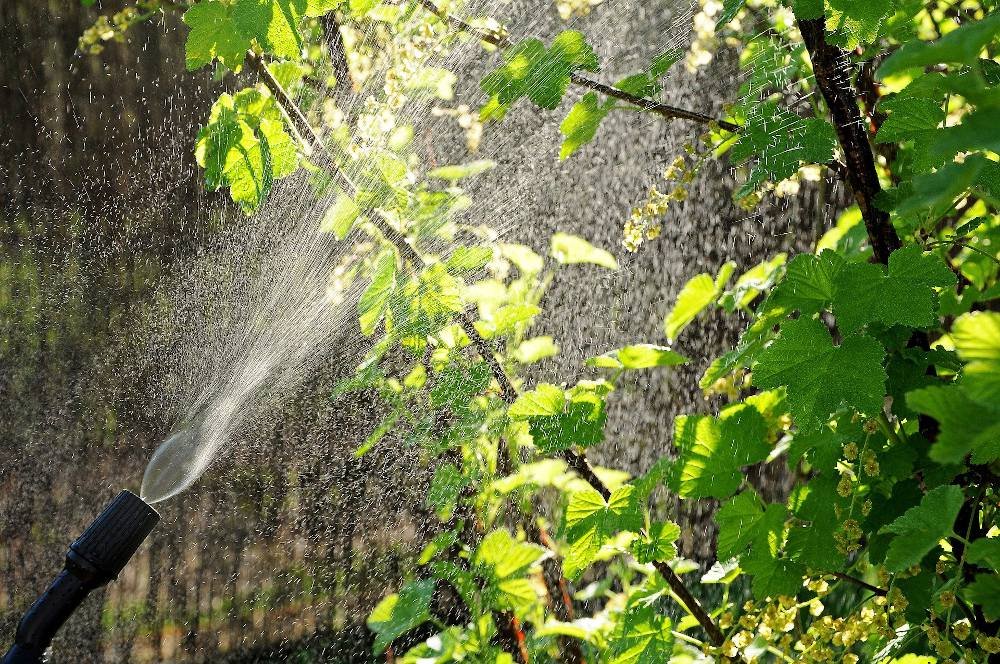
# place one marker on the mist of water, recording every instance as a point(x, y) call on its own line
point(282, 315)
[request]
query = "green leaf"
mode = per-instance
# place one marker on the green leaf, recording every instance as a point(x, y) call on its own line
point(639, 356)
point(273, 24)
point(657, 543)
point(316, 8)
point(985, 550)
point(569, 249)
point(245, 146)
point(468, 259)
point(773, 576)
point(744, 522)
point(545, 399)
point(859, 21)
point(904, 296)
point(581, 124)
point(444, 489)
point(781, 141)
point(340, 218)
point(908, 117)
point(372, 305)
point(213, 35)
point(456, 385)
point(643, 635)
point(977, 339)
point(462, 171)
point(921, 528)
point(580, 422)
point(501, 557)
point(809, 283)
point(507, 319)
point(807, 9)
point(966, 425)
point(591, 521)
point(535, 349)
point(960, 46)
point(985, 593)
point(730, 8)
point(822, 378)
point(399, 613)
point(662, 63)
point(696, 295)
point(541, 74)
point(714, 450)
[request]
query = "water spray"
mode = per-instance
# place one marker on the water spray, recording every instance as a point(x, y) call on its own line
point(93, 560)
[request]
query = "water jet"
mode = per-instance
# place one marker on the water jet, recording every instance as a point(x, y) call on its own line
point(93, 560)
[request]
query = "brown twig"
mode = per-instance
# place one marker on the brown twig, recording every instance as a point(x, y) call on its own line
point(661, 109)
point(831, 67)
point(881, 592)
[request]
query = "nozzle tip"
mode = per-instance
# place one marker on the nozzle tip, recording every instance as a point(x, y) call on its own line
point(114, 536)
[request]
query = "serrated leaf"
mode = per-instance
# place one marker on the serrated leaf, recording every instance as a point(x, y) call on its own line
point(744, 522)
point(772, 575)
point(545, 399)
point(908, 117)
point(541, 74)
point(214, 35)
point(713, 450)
point(580, 125)
point(371, 306)
point(986, 551)
point(984, 592)
point(865, 293)
point(399, 613)
point(657, 543)
point(960, 46)
point(809, 283)
point(821, 378)
point(966, 425)
point(780, 142)
point(591, 521)
point(643, 636)
point(921, 528)
point(859, 21)
point(503, 557)
point(274, 24)
point(571, 249)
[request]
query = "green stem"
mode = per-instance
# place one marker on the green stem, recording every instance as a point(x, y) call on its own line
point(888, 430)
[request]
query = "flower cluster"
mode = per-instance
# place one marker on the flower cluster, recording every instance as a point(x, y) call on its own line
point(106, 29)
point(645, 221)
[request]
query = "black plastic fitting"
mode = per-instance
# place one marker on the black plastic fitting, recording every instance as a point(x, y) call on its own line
point(94, 559)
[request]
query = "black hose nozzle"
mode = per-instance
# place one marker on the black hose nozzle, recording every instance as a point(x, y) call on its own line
point(94, 559)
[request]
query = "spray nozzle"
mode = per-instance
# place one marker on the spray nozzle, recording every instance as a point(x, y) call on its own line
point(94, 559)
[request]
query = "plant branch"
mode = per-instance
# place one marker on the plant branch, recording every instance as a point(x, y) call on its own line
point(881, 592)
point(575, 460)
point(693, 606)
point(664, 110)
point(831, 67)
